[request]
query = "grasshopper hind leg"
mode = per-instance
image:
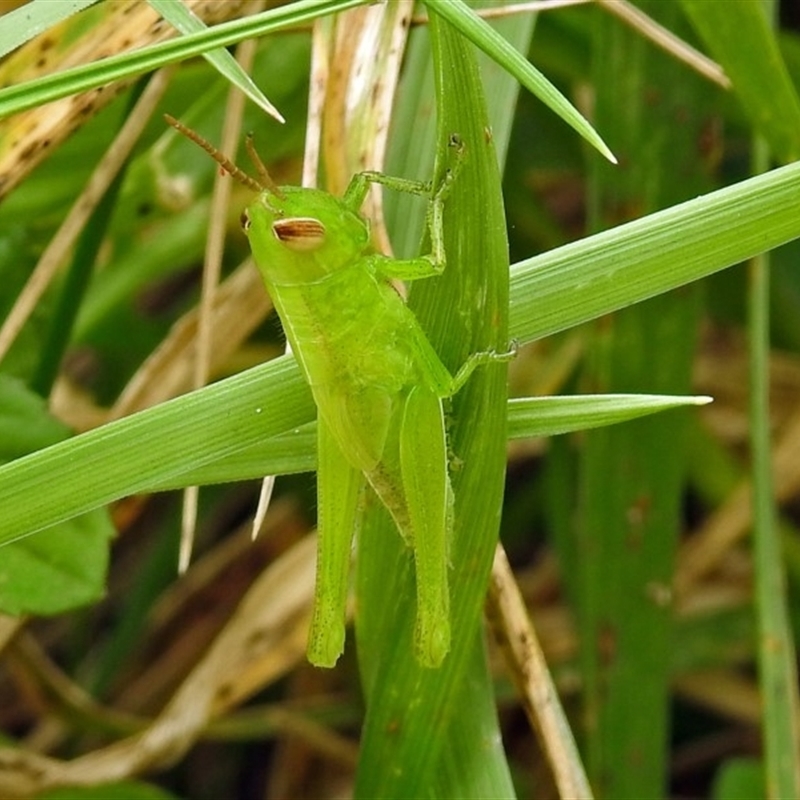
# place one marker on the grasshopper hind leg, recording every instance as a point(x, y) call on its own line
point(423, 462)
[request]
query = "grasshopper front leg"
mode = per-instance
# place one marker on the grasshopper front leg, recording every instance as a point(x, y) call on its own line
point(422, 266)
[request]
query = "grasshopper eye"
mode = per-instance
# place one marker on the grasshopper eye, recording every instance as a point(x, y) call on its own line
point(301, 234)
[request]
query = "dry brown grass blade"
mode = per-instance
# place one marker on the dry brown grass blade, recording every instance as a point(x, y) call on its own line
point(27, 138)
point(240, 305)
point(320, 75)
point(364, 67)
point(212, 270)
point(630, 15)
point(76, 219)
point(502, 10)
point(525, 660)
point(667, 41)
point(9, 626)
point(704, 550)
point(262, 641)
point(723, 692)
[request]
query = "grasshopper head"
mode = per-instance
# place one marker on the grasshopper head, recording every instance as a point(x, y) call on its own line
point(301, 235)
point(296, 235)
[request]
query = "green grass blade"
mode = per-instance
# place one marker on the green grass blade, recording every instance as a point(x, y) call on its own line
point(123, 457)
point(551, 292)
point(176, 13)
point(630, 489)
point(740, 39)
point(22, 24)
point(640, 259)
point(528, 417)
point(552, 416)
point(285, 454)
point(496, 47)
point(89, 76)
point(777, 655)
point(417, 740)
point(631, 478)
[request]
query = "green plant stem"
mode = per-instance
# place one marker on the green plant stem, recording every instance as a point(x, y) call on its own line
point(777, 658)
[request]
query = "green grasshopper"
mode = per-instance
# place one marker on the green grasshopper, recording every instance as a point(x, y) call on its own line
point(376, 380)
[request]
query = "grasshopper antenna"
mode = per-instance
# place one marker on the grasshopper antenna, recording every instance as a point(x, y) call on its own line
point(226, 164)
point(266, 178)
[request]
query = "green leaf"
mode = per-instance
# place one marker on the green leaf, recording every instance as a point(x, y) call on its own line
point(61, 569)
point(25, 425)
point(527, 417)
point(66, 566)
point(178, 15)
point(631, 478)
point(462, 17)
point(740, 779)
point(125, 790)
